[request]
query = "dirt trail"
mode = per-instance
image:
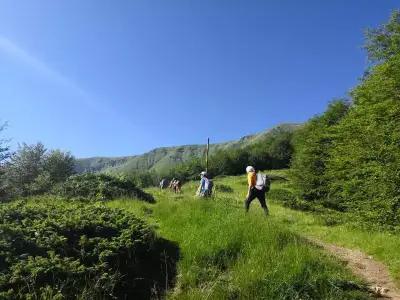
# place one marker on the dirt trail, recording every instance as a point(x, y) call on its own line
point(375, 273)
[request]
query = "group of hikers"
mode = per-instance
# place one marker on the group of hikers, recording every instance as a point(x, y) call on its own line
point(258, 186)
point(175, 185)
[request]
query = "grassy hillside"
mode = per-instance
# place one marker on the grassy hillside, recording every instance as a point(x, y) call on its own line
point(226, 254)
point(162, 158)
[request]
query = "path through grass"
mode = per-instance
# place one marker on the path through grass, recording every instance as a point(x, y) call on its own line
point(380, 245)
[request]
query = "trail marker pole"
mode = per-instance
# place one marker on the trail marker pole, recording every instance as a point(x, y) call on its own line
point(208, 149)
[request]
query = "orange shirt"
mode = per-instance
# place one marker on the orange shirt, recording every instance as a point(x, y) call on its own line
point(251, 179)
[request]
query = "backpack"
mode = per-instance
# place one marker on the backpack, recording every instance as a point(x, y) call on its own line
point(208, 186)
point(263, 182)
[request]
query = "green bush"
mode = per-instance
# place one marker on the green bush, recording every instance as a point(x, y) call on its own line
point(223, 188)
point(100, 187)
point(283, 195)
point(348, 158)
point(289, 199)
point(69, 251)
point(363, 169)
point(312, 145)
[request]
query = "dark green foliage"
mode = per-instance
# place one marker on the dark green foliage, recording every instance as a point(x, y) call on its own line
point(24, 168)
point(4, 147)
point(364, 167)
point(272, 152)
point(4, 154)
point(58, 165)
point(351, 162)
point(283, 195)
point(312, 145)
point(33, 170)
point(57, 251)
point(100, 187)
point(143, 179)
point(189, 170)
point(384, 42)
point(288, 199)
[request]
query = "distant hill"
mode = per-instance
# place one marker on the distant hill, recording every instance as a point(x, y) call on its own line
point(162, 158)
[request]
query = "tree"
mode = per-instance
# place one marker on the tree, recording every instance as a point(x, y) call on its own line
point(59, 165)
point(312, 145)
point(384, 42)
point(34, 170)
point(4, 147)
point(4, 155)
point(24, 167)
point(364, 164)
point(349, 157)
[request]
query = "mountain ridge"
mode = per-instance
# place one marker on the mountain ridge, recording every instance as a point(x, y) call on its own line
point(161, 158)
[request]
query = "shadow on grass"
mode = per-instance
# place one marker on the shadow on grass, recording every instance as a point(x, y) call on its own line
point(153, 274)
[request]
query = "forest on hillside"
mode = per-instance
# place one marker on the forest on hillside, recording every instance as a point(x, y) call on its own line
point(348, 158)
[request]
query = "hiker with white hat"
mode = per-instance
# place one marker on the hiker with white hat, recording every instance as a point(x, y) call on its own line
point(206, 185)
point(258, 185)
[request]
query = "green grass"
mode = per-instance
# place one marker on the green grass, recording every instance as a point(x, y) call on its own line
point(226, 254)
point(382, 245)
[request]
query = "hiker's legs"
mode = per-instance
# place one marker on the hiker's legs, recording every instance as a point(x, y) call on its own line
point(261, 198)
point(248, 200)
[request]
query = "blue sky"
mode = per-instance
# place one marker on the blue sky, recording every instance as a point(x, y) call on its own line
point(110, 78)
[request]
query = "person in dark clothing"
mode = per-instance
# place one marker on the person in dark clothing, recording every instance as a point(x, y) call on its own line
point(256, 189)
point(163, 183)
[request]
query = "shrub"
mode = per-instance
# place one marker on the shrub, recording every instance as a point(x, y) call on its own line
point(33, 170)
point(223, 188)
point(312, 145)
point(60, 251)
point(100, 187)
point(290, 200)
point(282, 195)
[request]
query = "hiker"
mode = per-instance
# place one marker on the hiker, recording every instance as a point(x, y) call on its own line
point(171, 184)
point(258, 186)
point(177, 186)
point(163, 183)
point(205, 187)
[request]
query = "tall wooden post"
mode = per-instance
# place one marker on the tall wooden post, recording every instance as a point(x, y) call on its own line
point(208, 149)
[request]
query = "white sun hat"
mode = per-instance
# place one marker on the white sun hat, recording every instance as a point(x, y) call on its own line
point(250, 169)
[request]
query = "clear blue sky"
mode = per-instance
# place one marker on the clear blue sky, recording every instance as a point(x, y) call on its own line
point(122, 77)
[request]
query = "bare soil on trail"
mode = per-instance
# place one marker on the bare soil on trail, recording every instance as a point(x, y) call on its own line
point(373, 272)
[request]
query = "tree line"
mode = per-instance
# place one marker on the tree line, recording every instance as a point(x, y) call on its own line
point(273, 151)
point(32, 169)
point(348, 158)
